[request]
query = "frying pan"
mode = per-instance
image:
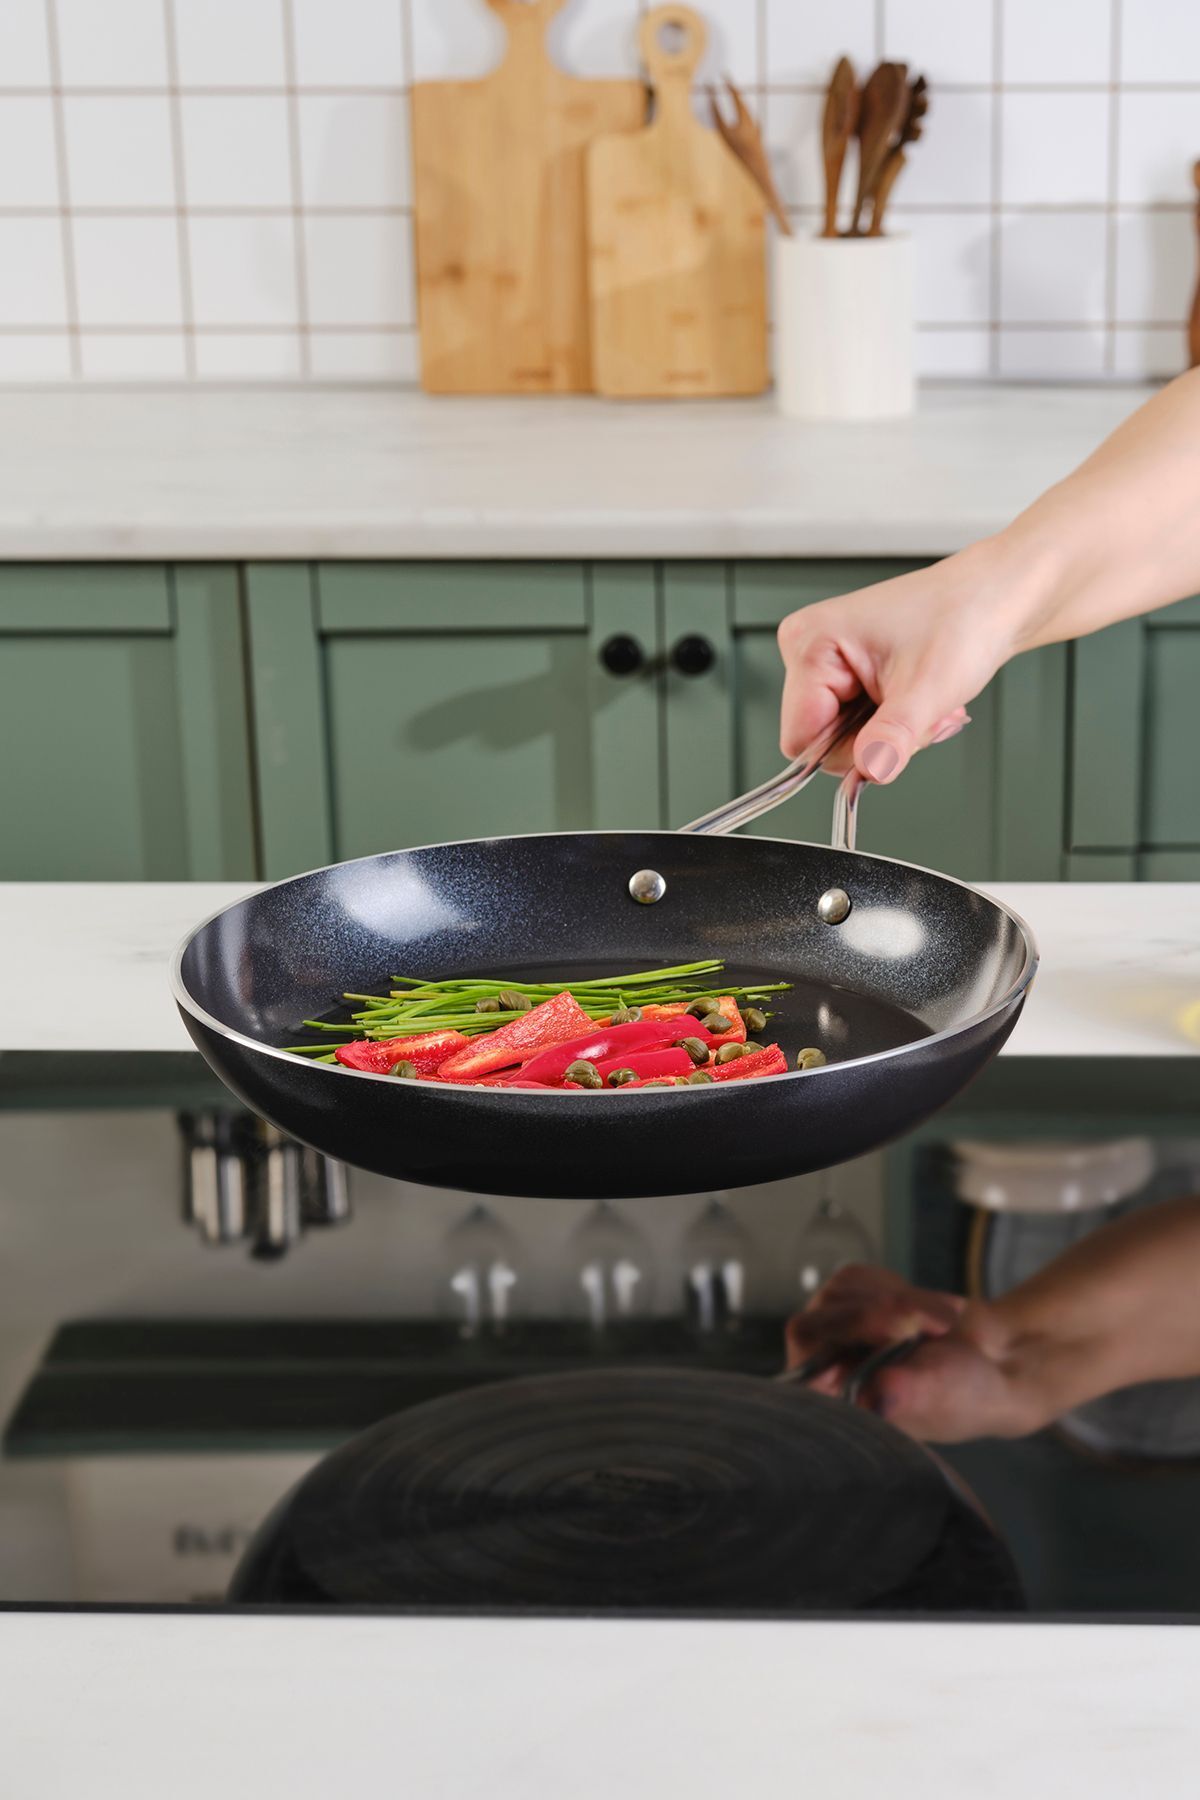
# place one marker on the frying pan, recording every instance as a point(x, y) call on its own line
point(909, 980)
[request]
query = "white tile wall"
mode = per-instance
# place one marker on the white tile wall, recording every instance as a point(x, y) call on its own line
point(221, 189)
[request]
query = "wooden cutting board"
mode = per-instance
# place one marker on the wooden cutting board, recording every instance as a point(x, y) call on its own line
point(677, 242)
point(499, 175)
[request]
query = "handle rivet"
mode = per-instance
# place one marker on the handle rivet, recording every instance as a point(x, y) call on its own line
point(647, 886)
point(832, 907)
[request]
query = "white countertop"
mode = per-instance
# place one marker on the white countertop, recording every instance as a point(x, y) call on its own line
point(370, 472)
point(1119, 976)
point(137, 1707)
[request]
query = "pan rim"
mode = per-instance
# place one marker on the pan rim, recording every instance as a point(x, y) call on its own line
point(1012, 993)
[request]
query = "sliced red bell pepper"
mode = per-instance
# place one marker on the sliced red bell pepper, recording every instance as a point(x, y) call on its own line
point(551, 1022)
point(604, 1043)
point(647, 1064)
point(770, 1060)
point(425, 1052)
point(675, 1009)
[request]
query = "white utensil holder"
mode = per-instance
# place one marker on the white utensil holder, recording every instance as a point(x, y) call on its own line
point(844, 327)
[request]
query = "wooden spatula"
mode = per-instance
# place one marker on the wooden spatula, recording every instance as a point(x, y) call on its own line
point(842, 101)
point(884, 105)
point(744, 138)
point(910, 131)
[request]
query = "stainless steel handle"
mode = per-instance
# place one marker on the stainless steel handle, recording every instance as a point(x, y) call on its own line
point(796, 776)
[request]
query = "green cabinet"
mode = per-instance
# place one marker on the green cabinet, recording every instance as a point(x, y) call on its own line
point(124, 748)
point(208, 721)
point(1135, 742)
point(400, 704)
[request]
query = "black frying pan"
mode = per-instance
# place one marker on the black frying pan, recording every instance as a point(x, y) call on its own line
point(910, 981)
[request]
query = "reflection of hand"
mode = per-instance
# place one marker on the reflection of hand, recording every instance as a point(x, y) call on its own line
point(955, 1387)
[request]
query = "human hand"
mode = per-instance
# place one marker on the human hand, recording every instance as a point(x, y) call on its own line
point(921, 646)
point(960, 1384)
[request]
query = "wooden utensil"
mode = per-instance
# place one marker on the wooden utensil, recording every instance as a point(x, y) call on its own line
point(884, 103)
point(743, 137)
point(501, 219)
point(842, 102)
point(1194, 321)
point(910, 131)
point(677, 226)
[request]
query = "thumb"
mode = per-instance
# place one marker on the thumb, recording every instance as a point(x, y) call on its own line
point(906, 722)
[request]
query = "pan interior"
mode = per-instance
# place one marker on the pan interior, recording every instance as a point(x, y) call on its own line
point(837, 1020)
point(918, 954)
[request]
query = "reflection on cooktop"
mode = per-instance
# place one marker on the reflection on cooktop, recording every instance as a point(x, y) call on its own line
point(348, 1463)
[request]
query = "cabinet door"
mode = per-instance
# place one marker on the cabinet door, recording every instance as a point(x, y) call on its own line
point(124, 749)
point(400, 704)
point(1135, 802)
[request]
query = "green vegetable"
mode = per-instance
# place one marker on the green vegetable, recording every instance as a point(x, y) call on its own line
point(620, 1077)
point(696, 1048)
point(584, 1074)
point(753, 1019)
point(811, 1059)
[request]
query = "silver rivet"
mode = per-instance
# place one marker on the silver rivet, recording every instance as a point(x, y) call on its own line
point(833, 906)
point(647, 886)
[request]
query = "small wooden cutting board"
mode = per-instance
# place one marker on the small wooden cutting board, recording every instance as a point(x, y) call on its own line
point(677, 242)
point(498, 168)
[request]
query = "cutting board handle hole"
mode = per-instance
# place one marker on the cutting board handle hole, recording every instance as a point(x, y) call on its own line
point(672, 41)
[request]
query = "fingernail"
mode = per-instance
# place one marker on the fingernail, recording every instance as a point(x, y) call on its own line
point(880, 760)
point(948, 731)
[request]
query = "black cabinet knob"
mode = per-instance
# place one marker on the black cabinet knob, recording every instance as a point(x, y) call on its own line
point(693, 655)
point(622, 654)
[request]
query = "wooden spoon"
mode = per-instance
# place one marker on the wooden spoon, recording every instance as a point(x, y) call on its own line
point(842, 102)
point(910, 131)
point(745, 140)
point(884, 104)
point(1194, 321)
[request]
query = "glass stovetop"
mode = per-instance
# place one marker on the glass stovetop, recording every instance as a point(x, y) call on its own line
point(142, 1457)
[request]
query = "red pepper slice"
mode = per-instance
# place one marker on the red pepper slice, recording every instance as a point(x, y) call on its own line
point(551, 1022)
point(770, 1060)
point(425, 1052)
point(727, 1006)
point(647, 1064)
point(604, 1043)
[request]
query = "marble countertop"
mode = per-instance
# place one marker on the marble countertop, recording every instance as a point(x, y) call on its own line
point(128, 1707)
point(370, 472)
point(1119, 975)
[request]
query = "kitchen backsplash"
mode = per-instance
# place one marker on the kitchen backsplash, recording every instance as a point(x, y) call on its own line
point(220, 189)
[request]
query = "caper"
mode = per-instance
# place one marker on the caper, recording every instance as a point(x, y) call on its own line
point(405, 1070)
point(661, 1081)
point(700, 1008)
point(749, 1047)
point(584, 1074)
point(511, 1001)
point(731, 1052)
point(626, 1015)
point(698, 1077)
point(753, 1019)
point(488, 1005)
point(619, 1077)
point(696, 1048)
point(811, 1059)
point(717, 1023)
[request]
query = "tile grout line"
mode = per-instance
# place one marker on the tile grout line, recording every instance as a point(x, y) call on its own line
point(996, 197)
point(1110, 238)
point(179, 168)
point(880, 33)
point(299, 234)
point(70, 277)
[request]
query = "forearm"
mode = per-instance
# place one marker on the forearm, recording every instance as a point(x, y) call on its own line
point(1120, 1307)
point(1118, 537)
